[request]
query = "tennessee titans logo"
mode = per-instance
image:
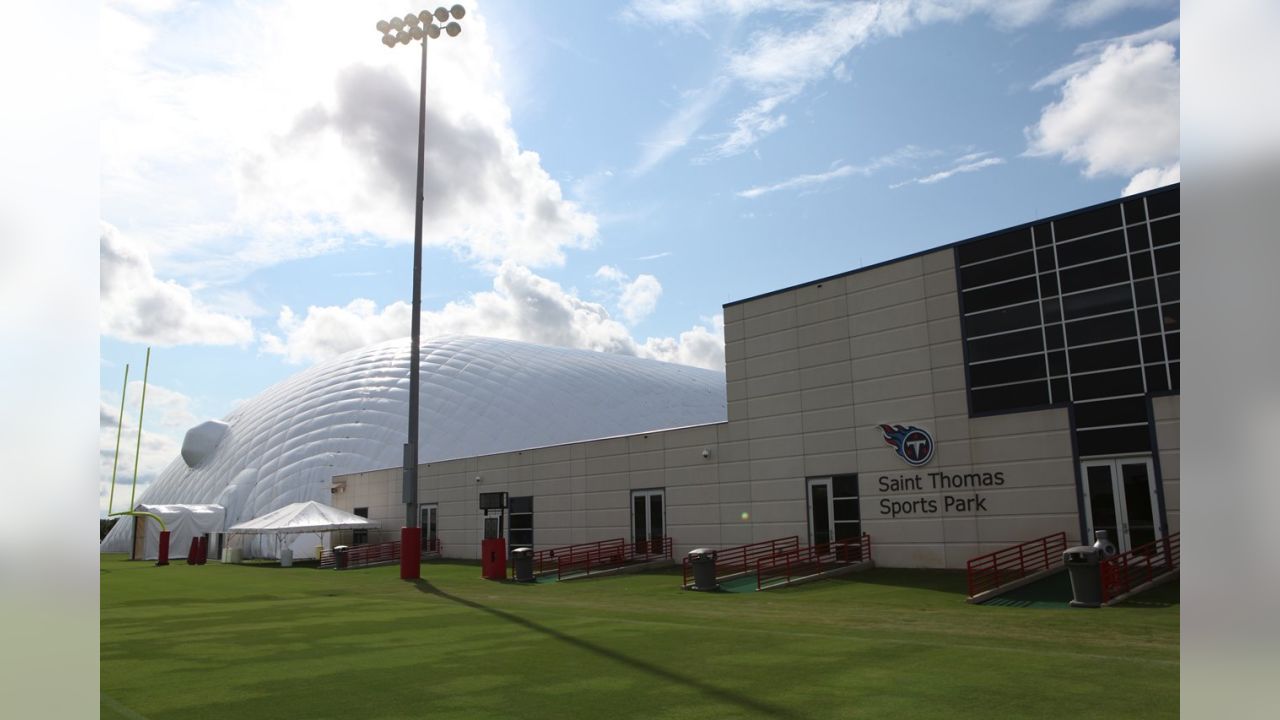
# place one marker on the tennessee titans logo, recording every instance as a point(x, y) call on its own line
point(913, 444)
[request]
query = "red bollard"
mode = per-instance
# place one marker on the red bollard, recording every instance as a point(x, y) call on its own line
point(410, 553)
point(164, 548)
point(202, 555)
point(193, 554)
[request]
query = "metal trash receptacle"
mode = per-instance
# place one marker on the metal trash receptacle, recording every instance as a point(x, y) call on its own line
point(522, 560)
point(1086, 577)
point(286, 557)
point(340, 556)
point(703, 561)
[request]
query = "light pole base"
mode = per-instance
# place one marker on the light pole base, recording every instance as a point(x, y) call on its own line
point(410, 553)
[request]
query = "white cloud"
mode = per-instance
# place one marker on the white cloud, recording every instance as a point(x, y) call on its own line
point(637, 298)
point(1087, 12)
point(328, 150)
point(521, 306)
point(680, 127)
point(1118, 112)
point(897, 157)
point(972, 162)
point(1153, 178)
point(136, 306)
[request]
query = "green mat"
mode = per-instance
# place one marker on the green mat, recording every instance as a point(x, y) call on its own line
point(1050, 592)
point(741, 584)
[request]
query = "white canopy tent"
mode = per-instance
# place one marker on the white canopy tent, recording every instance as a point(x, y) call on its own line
point(183, 521)
point(301, 518)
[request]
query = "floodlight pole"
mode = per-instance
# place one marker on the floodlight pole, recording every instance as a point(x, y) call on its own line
point(415, 355)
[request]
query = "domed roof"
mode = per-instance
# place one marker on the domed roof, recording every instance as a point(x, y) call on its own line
point(478, 396)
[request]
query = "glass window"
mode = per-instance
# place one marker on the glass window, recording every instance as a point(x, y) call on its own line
point(1157, 378)
point(1057, 364)
point(1030, 367)
point(1144, 292)
point(846, 509)
point(993, 246)
point(1165, 203)
point(522, 504)
point(1010, 293)
point(1001, 346)
point(1087, 223)
point(1169, 314)
point(1045, 260)
point(1107, 384)
point(1138, 239)
point(994, 321)
point(1111, 412)
point(1052, 310)
point(1009, 397)
point(1140, 265)
point(1148, 320)
point(1168, 288)
point(1099, 329)
point(844, 486)
point(1087, 249)
point(521, 521)
point(1053, 338)
point(1113, 440)
point(1171, 342)
point(997, 270)
point(1173, 374)
point(1164, 232)
point(1134, 211)
point(1107, 272)
point(1061, 390)
point(1097, 302)
point(1153, 348)
point(1043, 234)
point(1048, 284)
point(1108, 355)
point(1167, 259)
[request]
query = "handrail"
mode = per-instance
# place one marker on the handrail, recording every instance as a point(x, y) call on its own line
point(545, 560)
point(611, 555)
point(990, 571)
point(1122, 573)
point(361, 555)
point(791, 565)
point(739, 559)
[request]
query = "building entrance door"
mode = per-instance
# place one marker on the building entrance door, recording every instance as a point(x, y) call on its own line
point(647, 521)
point(1120, 497)
point(428, 516)
point(833, 509)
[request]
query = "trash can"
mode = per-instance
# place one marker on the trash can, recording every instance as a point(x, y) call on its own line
point(522, 558)
point(340, 556)
point(1086, 577)
point(703, 561)
point(1104, 545)
point(286, 557)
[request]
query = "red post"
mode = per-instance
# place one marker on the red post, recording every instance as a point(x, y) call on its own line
point(164, 548)
point(193, 552)
point(410, 558)
point(203, 550)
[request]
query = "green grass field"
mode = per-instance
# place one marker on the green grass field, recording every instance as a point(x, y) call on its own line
point(243, 642)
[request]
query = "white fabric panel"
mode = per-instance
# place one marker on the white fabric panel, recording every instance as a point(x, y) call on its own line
point(303, 517)
point(478, 396)
point(183, 522)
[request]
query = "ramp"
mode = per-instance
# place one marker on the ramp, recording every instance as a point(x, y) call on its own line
point(1049, 592)
point(999, 572)
point(816, 562)
point(735, 562)
point(572, 562)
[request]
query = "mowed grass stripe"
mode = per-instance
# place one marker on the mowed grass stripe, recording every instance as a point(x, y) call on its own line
point(249, 642)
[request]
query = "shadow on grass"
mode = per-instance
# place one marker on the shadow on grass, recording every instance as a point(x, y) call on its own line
point(951, 582)
point(657, 672)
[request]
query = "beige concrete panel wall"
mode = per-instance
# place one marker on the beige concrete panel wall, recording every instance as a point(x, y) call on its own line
point(1167, 416)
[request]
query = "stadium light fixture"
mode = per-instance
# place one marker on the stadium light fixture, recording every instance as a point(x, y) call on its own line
point(401, 31)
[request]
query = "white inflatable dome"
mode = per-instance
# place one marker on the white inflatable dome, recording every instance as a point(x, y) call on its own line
point(478, 396)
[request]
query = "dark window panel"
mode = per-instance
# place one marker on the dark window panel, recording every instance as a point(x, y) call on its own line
point(1009, 293)
point(1101, 357)
point(1043, 234)
point(1148, 321)
point(997, 270)
point(1010, 397)
point(1144, 292)
point(521, 521)
point(1113, 441)
point(1048, 284)
point(1138, 238)
point(1164, 232)
point(1097, 302)
point(846, 510)
point(1173, 373)
point(1134, 211)
point(1172, 342)
point(1165, 203)
point(1061, 390)
point(1087, 223)
point(1053, 338)
point(1168, 289)
point(521, 538)
point(1109, 327)
point(1111, 412)
point(521, 504)
point(1045, 259)
point(1019, 316)
point(1157, 380)
point(844, 486)
point(1052, 310)
point(1107, 384)
point(1153, 349)
point(1057, 363)
point(1002, 346)
point(994, 246)
point(1140, 264)
point(1167, 259)
point(1091, 248)
point(1107, 272)
point(1030, 367)
point(1170, 314)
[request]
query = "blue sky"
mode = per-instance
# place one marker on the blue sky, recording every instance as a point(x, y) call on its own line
point(600, 175)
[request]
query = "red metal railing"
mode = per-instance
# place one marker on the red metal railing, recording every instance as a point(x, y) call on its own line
point(546, 560)
point(1122, 573)
point(785, 567)
point(609, 556)
point(361, 555)
point(990, 571)
point(740, 559)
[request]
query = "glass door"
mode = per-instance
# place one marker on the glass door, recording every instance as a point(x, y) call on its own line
point(821, 520)
point(647, 522)
point(1120, 498)
point(428, 516)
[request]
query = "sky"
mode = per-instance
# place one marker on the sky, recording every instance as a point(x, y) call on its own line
point(598, 175)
